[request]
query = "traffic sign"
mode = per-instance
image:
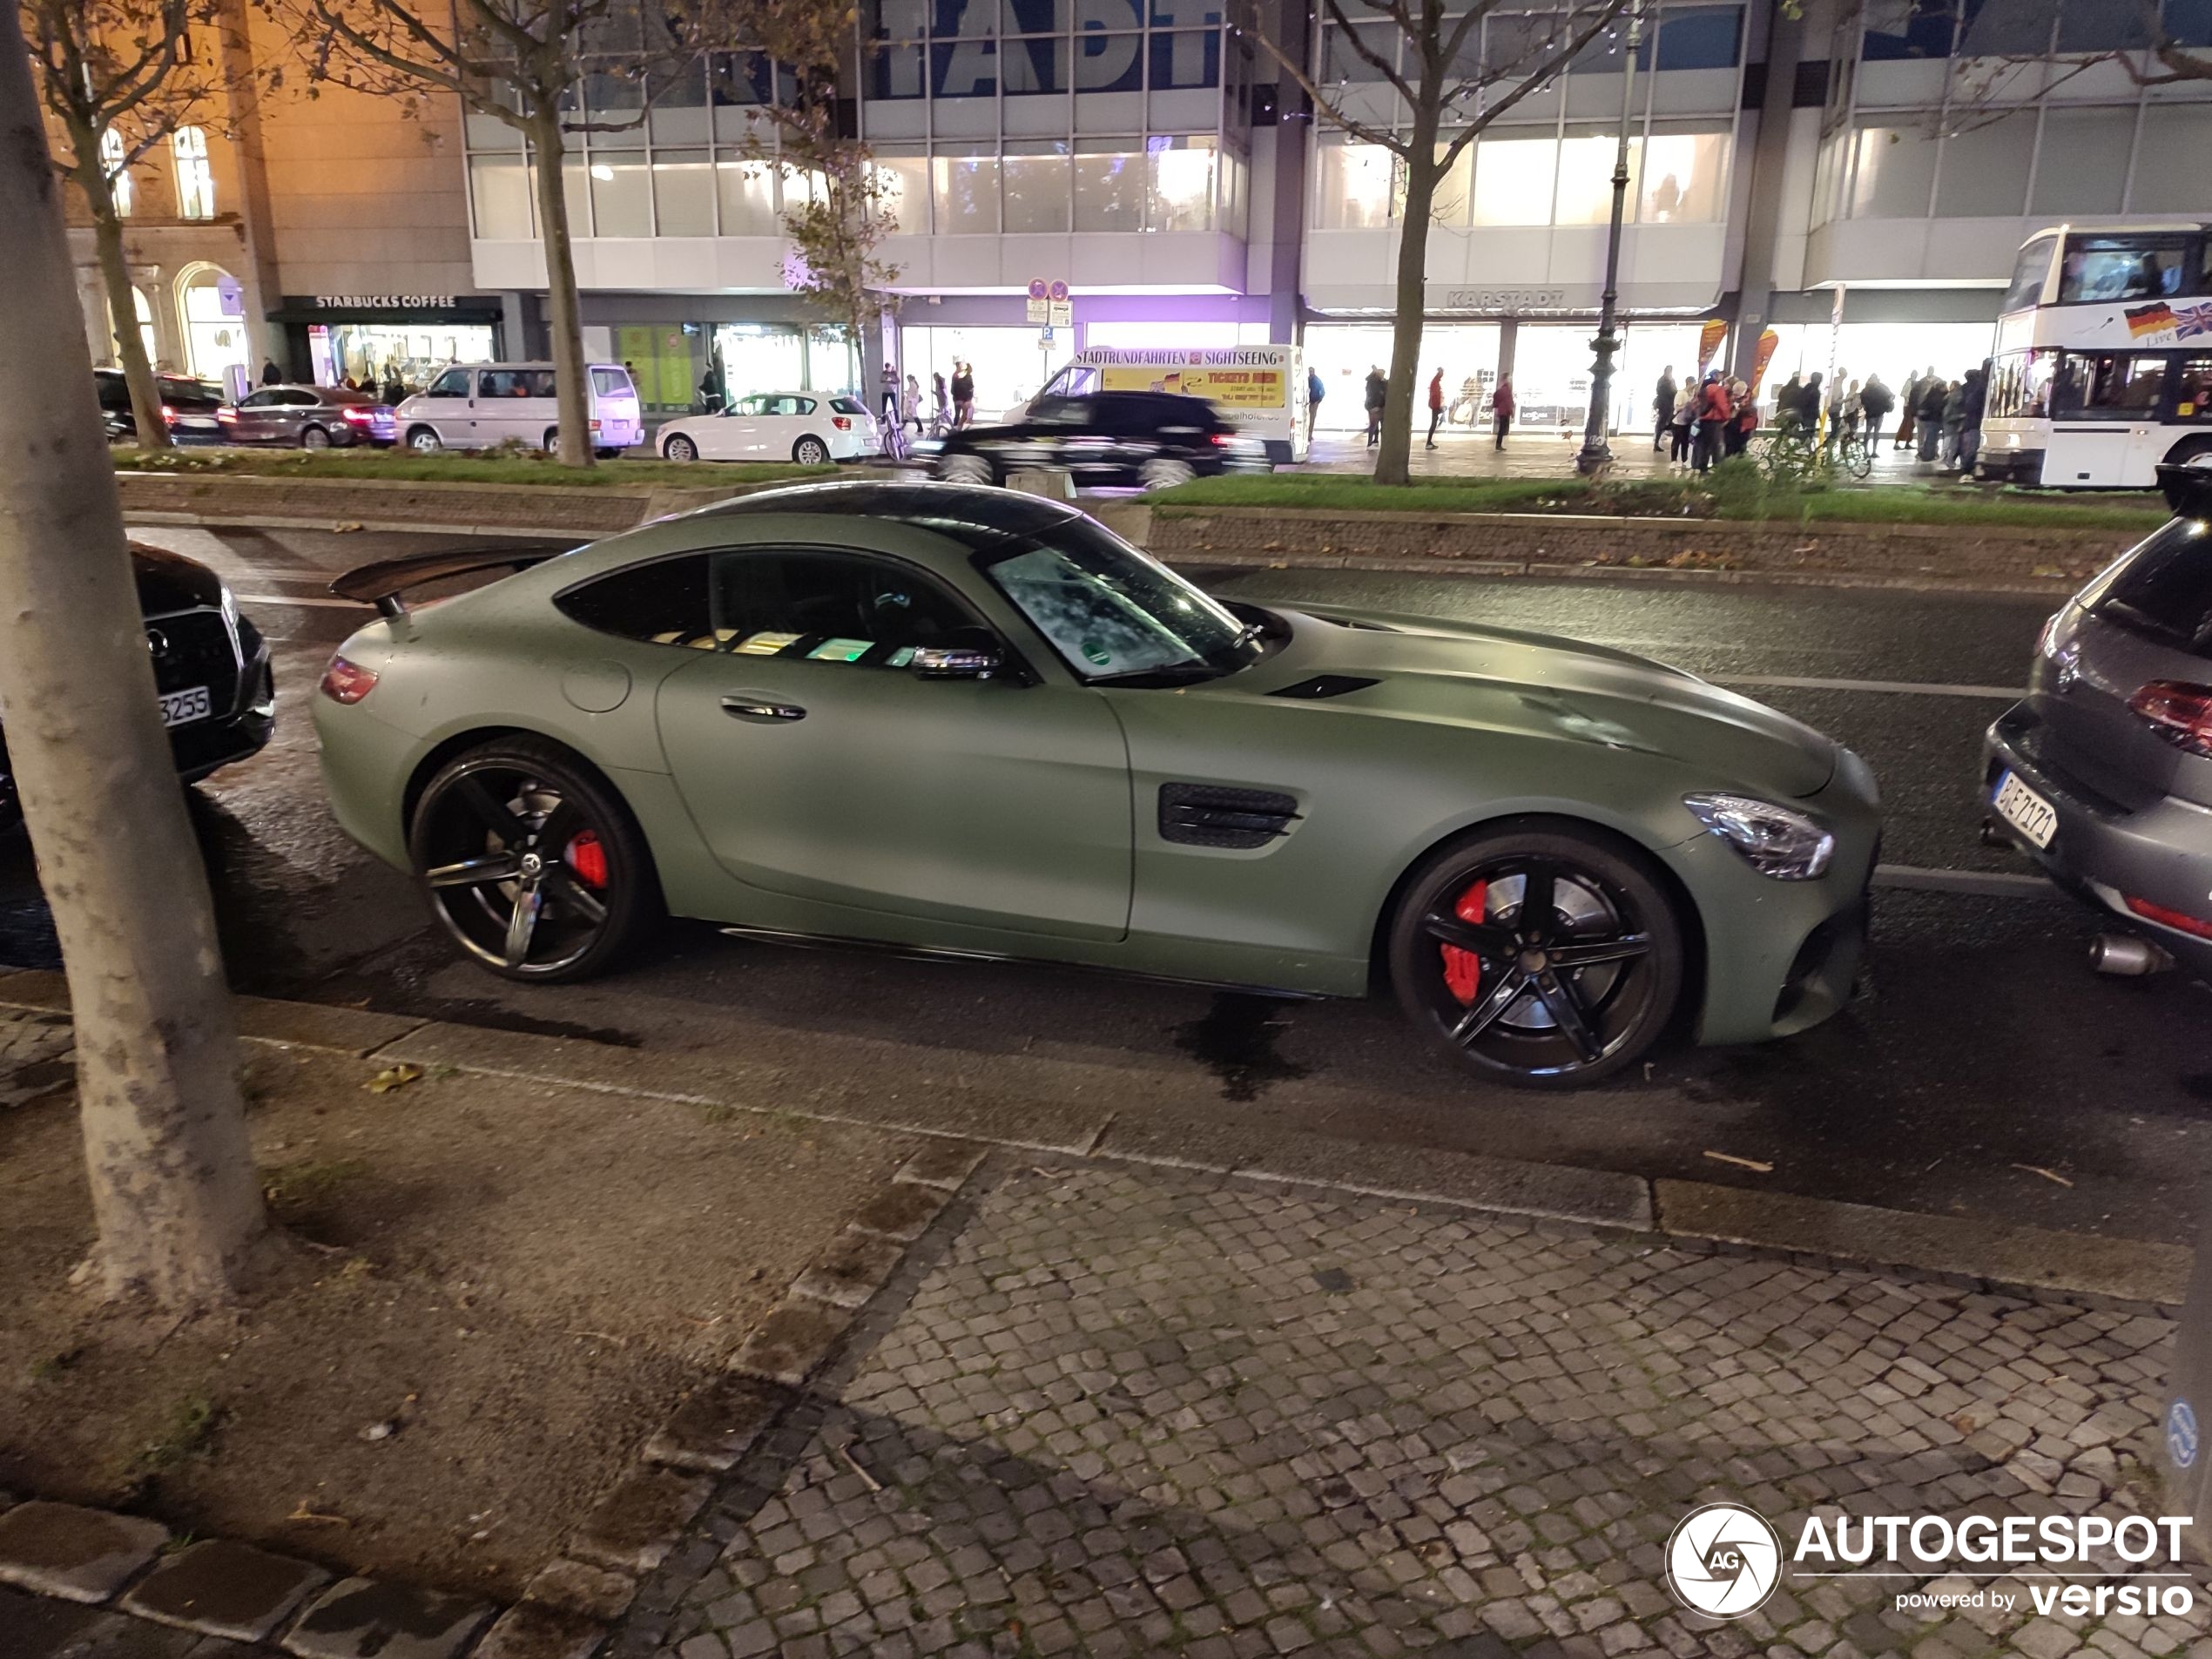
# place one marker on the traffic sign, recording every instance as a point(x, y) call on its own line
point(1045, 339)
point(1058, 292)
point(1038, 290)
point(1063, 313)
point(1037, 311)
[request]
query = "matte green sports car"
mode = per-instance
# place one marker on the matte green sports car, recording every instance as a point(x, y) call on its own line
point(960, 719)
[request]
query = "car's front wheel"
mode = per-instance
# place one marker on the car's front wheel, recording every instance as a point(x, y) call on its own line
point(1164, 472)
point(1542, 953)
point(967, 470)
point(424, 442)
point(314, 437)
point(531, 863)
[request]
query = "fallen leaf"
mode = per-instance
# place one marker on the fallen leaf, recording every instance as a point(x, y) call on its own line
point(2049, 1175)
point(392, 1077)
point(1740, 1164)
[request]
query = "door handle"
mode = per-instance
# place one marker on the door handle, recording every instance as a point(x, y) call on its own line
point(742, 707)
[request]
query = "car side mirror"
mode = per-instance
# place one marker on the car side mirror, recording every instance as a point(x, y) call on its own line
point(968, 654)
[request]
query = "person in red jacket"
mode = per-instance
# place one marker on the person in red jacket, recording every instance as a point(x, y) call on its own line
point(1501, 408)
point(1714, 411)
point(1435, 406)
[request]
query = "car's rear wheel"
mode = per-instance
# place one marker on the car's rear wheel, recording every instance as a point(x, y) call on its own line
point(1164, 472)
point(531, 863)
point(314, 437)
point(1543, 954)
point(551, 441)
point(424, 442)
point(2187, 451)
point(811, 452)
point(967, 470)
point(680, 448)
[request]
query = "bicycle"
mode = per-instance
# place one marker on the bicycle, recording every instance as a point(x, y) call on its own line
point(1855, 453)
point(1790, 455)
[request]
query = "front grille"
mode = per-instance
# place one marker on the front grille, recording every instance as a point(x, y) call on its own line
point(194, 648)
point(1206, 815)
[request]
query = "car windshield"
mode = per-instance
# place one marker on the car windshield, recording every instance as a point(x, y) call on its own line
point(1113, 614)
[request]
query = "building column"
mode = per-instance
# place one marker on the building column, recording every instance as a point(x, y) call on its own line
point(515, 342)
point(1770, 161)
point(1509, 339)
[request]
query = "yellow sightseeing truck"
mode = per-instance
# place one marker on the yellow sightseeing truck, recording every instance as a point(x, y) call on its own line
point(1261, 389)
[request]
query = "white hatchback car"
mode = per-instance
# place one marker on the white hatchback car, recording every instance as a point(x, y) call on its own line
point(811, 428)
point(479, 406)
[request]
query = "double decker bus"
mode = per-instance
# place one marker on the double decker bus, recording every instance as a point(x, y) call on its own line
point(2102, 365)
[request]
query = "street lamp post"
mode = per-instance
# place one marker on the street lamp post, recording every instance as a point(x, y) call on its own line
point(1595, 454)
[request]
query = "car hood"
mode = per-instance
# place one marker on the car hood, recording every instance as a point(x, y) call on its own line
point(1423, 668)
point(169, 582)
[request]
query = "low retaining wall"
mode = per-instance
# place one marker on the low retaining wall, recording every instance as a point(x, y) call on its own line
point(1536, 543)
point(392, 505)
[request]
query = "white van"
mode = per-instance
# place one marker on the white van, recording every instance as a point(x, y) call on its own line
point(1260, 388)
point(476, 406)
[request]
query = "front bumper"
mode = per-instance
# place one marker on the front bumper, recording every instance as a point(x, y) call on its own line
point(2102, 853)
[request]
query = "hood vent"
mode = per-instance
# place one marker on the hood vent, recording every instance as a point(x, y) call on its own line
point(1323, 685)
point(1205, 815)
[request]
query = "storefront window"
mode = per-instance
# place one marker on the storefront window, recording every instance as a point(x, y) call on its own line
point(214, 326)
point(1036, 190)
point(499, 192)
point(414, 354)
point(1355, 186)
point(747, 196)
point(1179, 184)
point(1109, 190)
point(683, 193)
point(964, 194)
point(1512, 181)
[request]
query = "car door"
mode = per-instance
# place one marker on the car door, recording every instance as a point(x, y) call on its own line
point(742, 438)
point(503, 409)
point(818, 765)
point(254, 416)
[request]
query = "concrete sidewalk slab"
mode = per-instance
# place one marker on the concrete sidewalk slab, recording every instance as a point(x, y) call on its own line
point(308, 1025)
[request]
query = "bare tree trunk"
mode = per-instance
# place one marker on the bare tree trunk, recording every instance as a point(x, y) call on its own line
point(172, 1182)
point(122, 298)
point(1393, 456)
point(560, 292)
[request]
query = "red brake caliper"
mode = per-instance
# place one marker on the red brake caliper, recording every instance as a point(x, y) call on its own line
point(1463, 968)
point(588, 859)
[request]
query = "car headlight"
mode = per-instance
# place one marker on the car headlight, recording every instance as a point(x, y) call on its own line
point(229, 604)
point(1778, 841)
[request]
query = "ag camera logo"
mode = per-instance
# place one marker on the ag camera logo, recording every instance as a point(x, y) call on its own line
point(1723, 1561)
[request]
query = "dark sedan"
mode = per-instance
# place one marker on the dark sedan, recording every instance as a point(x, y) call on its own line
point(2103, 773)
point(211, 671)
point(188, 406)
point(1132, 440)
point(309, 417)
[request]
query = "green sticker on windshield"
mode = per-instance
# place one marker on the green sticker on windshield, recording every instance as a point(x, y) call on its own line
point(1095, 652)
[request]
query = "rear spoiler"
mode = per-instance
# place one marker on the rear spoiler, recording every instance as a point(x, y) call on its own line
point(2188, 487)
point(381, 584)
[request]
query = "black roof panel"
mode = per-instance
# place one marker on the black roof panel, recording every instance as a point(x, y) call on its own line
point(968, 513)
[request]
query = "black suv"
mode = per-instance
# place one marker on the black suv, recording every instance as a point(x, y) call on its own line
point(187, 406)
point(211, 671)
point(1142, 440)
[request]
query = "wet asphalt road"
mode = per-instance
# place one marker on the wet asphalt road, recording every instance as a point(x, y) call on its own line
point(1988, 1073)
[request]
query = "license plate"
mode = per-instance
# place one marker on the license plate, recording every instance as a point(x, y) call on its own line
point(2025, 810)
point(181, 708)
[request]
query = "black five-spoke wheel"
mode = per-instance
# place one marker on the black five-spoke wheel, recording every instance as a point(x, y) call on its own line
point(1541, 955)
point(529, 862)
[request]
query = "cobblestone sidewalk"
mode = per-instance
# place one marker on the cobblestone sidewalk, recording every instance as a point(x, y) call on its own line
point(1133, 1411)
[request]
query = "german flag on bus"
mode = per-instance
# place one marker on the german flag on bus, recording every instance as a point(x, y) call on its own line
point(2149, 320)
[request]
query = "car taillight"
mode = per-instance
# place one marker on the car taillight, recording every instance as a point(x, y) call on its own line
point(345, 682)
point(2179, 919)
point(355, 412)
point(2178, 712)
point(169, 415)
point(842, 422)
point(1221, 440)
point(594, 425)
point(226, 413)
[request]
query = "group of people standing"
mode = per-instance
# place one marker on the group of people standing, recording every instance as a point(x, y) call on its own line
point(1377, 392)
point(1716, 417)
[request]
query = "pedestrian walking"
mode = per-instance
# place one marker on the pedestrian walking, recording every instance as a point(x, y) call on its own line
point(1435, 405)
point(1714, 413)
point(1747, 418)
point(1501, 406)
point(1662, 406)
point(941, 414)
point(914, 404)
point(1315, 391)
point(1876, 400)
point(1378, 390)
point(1786, 418)
point(1954, 422)
point(1809, 406)
point(710, 392)
point(892, 416)
point(1976, 400)
point(1837, 403)
point(963, 395)
point(271, 374)
point(1927, 416)
point(1681, 427)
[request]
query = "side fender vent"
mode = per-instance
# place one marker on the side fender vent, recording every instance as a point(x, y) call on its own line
point(1323, 685)
point(1202, 815)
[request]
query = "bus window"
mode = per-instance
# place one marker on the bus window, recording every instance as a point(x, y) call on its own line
point(2113, 268)
point(2141, 387)
point(2107, 386)
point(2020, 386)
point(2193, 388)
point(1077, 379)
point(2030, 271)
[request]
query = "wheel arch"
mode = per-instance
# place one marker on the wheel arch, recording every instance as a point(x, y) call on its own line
point(476, 738)
point(1679, 897)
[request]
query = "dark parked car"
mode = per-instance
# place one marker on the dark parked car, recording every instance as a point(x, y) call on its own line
point(312, 417)
point(210, 670)
point(1151, 440)
point(2103, 773)
point(187, 406)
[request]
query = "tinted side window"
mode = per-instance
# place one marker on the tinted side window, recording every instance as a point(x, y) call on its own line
point(664, 603)
point(612, 382)
point(829, 607)
point(2163, 589)
point(453, 383)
